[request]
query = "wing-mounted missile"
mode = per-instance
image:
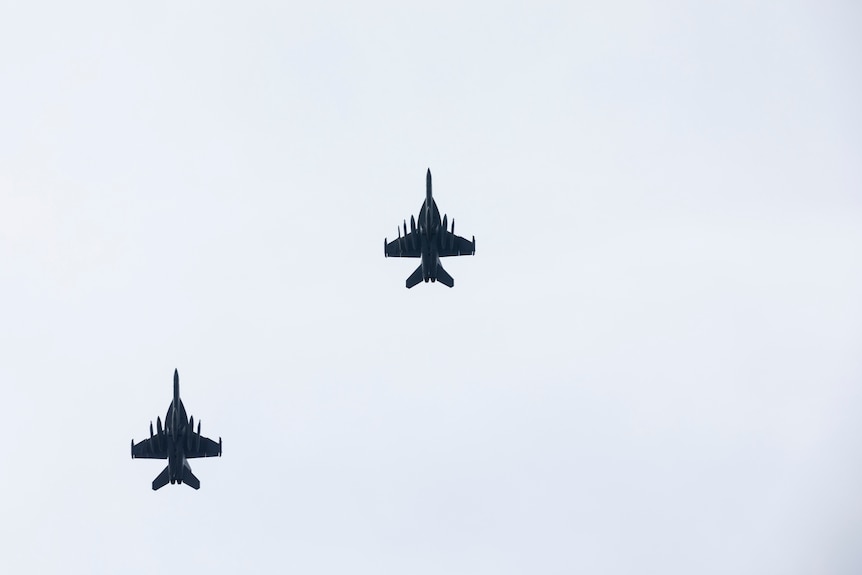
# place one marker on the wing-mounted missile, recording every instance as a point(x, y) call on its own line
point(452, 239)
point(191, 432)
point(385, 253)
point(474, 245)
point(405, 228)
point(412, 225)
point(133, 448)
point(400, 243)
point(159, 431)
point(445, 226)
point(219, 446)
point(198, 438)
point(151, 442)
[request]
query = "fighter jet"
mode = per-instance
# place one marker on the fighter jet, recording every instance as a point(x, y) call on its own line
point(177, 442)
point(431, 240)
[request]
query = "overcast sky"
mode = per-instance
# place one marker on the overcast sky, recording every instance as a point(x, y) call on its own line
point(651, 365)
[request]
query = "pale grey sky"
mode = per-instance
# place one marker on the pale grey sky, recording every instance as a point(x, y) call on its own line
point(651, 365)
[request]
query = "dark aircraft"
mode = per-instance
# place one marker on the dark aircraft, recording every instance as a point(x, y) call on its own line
point(177, 442)
point(431, 240)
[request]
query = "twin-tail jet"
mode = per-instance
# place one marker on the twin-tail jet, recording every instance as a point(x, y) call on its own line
point(429, 239)
point(177, 442)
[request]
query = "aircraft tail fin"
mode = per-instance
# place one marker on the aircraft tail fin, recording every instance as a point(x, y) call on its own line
point(443, 277)
point(190, 479)
point(415, 278)
point(162, 479)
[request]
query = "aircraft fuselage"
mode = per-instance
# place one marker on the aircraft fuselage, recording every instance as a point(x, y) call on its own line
point(429, 227)
point(177, 423)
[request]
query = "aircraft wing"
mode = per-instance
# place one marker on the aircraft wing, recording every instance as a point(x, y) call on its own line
point(452, 245)
point(403, 247)
point(153, 448)
point(207, 448)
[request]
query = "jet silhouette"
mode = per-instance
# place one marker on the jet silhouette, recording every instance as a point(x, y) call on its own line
point(177, 442)
point(429, 240)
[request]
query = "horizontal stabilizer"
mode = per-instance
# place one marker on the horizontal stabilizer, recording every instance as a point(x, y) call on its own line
point(162, 479)
point(415, 278)
point(190, 479)
point(443, 277)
